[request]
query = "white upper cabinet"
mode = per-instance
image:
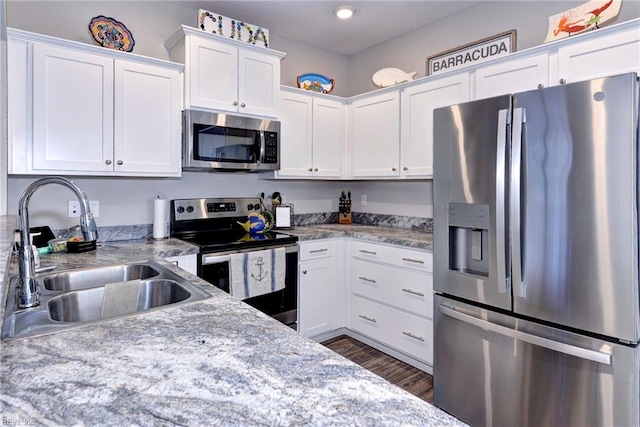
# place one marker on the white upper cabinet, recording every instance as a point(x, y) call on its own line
point(313, 130)
point(609, 54)
point(512, 76)
point(375, 135)
point(224, 74)
point(418, 103)
point(79, 109)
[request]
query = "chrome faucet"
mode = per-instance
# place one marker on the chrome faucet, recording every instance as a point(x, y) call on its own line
point(28, 292)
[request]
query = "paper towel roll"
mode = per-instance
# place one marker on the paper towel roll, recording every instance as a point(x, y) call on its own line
point(160, 218)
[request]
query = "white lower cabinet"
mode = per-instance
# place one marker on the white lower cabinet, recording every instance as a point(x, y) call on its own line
point(185, 262)
point(320, 287)
point(391, 297)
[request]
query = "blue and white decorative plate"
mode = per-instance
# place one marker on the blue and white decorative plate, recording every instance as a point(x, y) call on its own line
point(316, 83)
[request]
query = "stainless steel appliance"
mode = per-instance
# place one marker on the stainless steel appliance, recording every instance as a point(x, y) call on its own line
point(212, 225)
point(536, 257)
point(215, 141)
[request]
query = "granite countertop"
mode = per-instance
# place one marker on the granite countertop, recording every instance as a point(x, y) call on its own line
point(213, 362)
point(417, 239)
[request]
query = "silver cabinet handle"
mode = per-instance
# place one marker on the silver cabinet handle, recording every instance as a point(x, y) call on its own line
point(235, 103)
point(583, 353)
point(562, 81)
point(366, 279)
point(415, 337)
point(120, 162)
point(315, 251)
point(243, 105)
point(540, 86)
point(417, 261)
point(364, 251)
point(304, 271)
point(405, 168)
point(316, 169)
point(370, 319)
point(409, 291)
point(108, 161)
point(394, 169)
point(310, 169)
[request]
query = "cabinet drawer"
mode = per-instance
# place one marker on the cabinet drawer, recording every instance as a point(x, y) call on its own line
point(405, 332)
point(401, 257)
point(317, 249)
point(405, 289)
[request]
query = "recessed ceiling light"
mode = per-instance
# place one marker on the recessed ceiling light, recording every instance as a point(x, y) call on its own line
point(344, 12)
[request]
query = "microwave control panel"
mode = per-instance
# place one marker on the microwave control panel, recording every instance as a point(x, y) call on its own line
point(271, 147)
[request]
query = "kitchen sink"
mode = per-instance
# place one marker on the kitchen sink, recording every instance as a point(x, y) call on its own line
point(92, 277)
point(80, 297)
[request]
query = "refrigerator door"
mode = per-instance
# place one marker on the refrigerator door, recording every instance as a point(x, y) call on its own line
point(495, 370)
point(574, 206)
point(471, 148)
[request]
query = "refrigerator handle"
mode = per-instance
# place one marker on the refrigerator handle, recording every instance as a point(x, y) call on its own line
point(517, 281)
point(501, 159)
point(571, 350)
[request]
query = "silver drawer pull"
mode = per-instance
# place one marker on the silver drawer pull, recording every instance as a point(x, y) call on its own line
point(417, 261)
point(409, 291)
point(368, 252)
point(315, 251)
point(366, 279)
point(370, 319)
point(410, 335)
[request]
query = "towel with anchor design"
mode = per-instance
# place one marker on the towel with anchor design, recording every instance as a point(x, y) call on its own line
point(257, 273)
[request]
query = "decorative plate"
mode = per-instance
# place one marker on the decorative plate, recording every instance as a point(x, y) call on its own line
point(391, 76)
point(108, 32)
point(316, 83)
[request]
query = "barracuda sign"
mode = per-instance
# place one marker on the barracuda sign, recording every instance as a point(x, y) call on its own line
point(472, 53)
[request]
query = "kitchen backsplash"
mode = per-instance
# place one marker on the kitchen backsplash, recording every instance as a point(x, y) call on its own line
point(143, 231)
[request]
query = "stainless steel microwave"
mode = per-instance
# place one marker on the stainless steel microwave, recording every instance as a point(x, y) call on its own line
point(216, 141)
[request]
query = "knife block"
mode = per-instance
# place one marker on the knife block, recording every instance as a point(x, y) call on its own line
point(344, 218)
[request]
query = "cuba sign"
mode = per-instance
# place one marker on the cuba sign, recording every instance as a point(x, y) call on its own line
point(473, 53)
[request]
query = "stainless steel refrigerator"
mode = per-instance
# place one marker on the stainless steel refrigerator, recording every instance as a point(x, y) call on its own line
point(536, 257)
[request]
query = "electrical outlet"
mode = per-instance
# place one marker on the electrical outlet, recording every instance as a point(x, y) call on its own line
point(74, 208)
point(363, 200)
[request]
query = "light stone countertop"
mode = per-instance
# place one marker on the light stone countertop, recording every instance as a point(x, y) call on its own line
point(211, 362)
point(417, 239)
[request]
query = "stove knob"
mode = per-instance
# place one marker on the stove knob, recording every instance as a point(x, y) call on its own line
point(250, 206)
point(189, 209)
point(180, 209)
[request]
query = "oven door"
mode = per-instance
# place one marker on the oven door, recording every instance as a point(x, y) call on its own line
point(281, 305)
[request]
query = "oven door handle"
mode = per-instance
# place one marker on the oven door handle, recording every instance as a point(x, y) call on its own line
point(219, 258)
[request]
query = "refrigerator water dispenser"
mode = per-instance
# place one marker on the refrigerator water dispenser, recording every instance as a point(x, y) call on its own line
point(469, 238)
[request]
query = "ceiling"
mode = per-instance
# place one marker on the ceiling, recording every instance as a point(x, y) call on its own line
point(313, 23)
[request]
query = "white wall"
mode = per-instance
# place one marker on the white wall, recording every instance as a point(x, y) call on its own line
point(409, 52)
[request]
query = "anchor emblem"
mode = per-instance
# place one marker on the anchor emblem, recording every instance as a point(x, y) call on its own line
point(261, 272)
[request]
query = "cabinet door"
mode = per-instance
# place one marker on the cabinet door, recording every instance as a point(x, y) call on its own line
point(328, 137)
point(512, 76)
point(258, 83)
point(147, 119)
point(213, 75)
point(418, 103)
point(598, 57)
point(296, 129)
point(186, 262)
point(375, 127)
point(72, 110)
point(18, 105)
point(316, 301)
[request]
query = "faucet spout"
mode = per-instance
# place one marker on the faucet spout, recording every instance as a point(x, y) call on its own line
point(28, 293)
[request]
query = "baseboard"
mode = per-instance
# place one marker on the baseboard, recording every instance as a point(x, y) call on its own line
point(378, 346)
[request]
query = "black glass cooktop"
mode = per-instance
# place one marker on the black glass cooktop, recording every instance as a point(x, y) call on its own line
point(217, 241)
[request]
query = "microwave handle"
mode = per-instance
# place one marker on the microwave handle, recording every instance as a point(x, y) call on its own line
point(263, 146)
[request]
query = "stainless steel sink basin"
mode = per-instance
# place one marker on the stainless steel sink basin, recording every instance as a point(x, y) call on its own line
point(100, 276)
point(86, 305)
point(77, 297)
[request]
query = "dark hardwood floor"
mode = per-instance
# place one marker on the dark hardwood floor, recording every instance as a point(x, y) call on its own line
point(405, 376)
